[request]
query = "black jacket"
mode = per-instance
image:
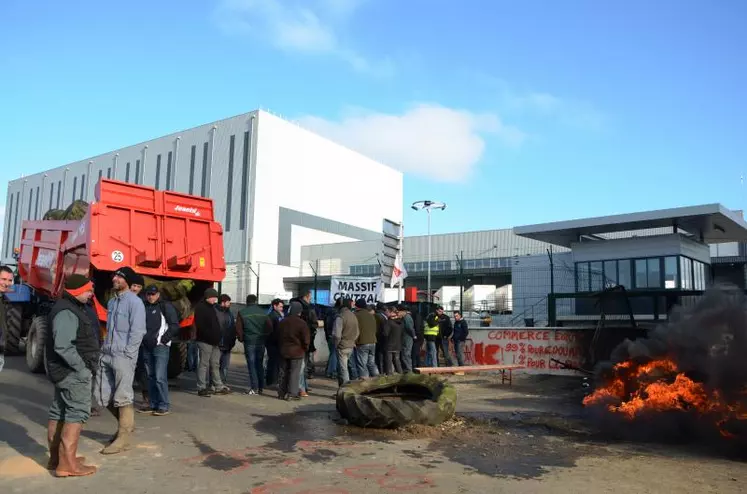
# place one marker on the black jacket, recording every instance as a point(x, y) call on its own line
point(153, 314)
point(86, 342)
point(461, 330)
point(207, 323)
point(395, 328)
point(444, 325)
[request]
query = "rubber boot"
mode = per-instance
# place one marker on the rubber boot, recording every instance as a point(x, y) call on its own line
point(54, 437)
point(115, 412)
point(68, 465)
point(126, 426)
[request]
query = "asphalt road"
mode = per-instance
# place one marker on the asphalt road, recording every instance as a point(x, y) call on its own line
point(258, 444)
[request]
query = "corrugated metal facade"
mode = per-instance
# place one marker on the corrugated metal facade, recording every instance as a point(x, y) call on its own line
point(195, 161)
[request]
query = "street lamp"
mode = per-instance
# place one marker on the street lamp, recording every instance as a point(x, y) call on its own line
point(428, 206)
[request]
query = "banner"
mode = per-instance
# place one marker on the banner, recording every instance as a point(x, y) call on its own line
point(399, 273)
point(355, 287)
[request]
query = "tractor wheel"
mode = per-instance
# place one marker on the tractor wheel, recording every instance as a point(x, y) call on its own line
point(36, 346)
point(394, 401)
point(177, 359)
point(14, 330)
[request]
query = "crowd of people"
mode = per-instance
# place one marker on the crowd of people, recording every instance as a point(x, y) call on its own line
point(92, 372)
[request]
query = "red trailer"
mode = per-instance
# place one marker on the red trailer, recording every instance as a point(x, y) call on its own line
point(161, 234)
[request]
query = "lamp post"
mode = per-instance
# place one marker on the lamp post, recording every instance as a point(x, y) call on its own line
point(428, 206)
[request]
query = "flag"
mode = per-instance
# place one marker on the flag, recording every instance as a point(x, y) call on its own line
point(399, 273)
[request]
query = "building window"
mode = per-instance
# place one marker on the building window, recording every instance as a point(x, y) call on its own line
point(596, 276)
point(83, 196)
point(36, 205)
point(137, 172)
point(192, 170)
point(610, 274)
point(229, 191)
point(59, 190)
point(686, 273)
point(51, 194)
point(158, 172)
point(244, 181)
point(582, 277)
point(109, 173)
point(75, 187)
point(670, 272)
point(699, 275)
point(127, 172)
point(203, 190)
point(624, 276)
point(101, 173)
point(168, 171)
point(15, 218)
point(5, 230)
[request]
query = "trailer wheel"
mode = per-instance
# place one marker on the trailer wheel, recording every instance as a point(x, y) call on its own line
point(177, 359)
point(35, 345)
point(14, 330)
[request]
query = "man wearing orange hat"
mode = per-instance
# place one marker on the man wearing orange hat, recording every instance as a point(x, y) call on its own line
point(71, 354)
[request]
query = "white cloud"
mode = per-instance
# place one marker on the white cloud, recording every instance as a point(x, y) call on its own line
point(303, 26)
point(430, 140)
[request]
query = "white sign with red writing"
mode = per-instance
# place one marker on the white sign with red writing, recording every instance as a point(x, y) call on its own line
point(537, 350)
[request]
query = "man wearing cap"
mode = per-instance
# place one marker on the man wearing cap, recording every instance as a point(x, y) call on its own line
point(208, 338)
point(125, 328)
point(71, 353)
point(161, 325)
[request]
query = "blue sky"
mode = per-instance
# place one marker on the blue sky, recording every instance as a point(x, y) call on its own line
point(511, 112)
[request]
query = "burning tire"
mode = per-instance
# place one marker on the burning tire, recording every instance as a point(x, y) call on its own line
point(14, 330)
point(389, 402)
point(35, 345)
point(177, 359)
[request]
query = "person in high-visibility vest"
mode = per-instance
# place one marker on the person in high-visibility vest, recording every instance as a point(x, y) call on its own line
point(431, 336)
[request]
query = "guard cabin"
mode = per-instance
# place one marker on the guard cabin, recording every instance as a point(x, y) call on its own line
point(636, 267)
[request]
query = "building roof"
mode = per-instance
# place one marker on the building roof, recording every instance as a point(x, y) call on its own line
point(712, 222)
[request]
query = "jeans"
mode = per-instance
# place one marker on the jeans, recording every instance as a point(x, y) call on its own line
point(393, 364)
point(225, 362)
point(431, 357)
point(141, 374)
point(407, 353)
point(193, 356)
point(445, 350)
point(209, 367)
point(332, 360)
point(459, 349)
point(156, 368)
point(367, 361)
point(343, 358)
point(302, 384)
point(353, 365)
point(255, 355)
point(273, 364)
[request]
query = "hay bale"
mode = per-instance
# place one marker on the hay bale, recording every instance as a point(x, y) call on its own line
point(76, 211)
point(54, 214)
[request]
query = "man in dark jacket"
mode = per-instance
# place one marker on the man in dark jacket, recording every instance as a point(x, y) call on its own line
point(71, 353)
point(208, 341)
point(366, 343)
point(6, 281)
point(308, 314)
point(252, 331)
point(345, 334)
point(228, 335)
point(381, 343)
point(271, 343)
point(161, 326)
point(419, 343)
point(408, 337)
point(294, 341)
point(329, 330)
point(445, 330)
point(461, 332)
point(394, 343)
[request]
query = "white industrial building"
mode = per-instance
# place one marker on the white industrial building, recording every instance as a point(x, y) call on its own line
point(270, 180)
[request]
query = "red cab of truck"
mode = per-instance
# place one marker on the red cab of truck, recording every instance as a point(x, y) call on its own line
point(161, 234)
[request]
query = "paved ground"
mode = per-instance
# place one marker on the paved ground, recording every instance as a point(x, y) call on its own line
point(529, 438)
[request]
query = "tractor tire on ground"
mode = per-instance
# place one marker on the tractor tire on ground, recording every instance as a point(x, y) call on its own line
point(388, 402)
point(177, 359)
point(35, 345)
point(14, 330)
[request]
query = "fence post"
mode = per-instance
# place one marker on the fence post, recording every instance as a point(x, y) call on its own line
point(551, 311)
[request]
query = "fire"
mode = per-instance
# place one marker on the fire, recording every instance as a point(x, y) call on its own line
point(635, 390)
